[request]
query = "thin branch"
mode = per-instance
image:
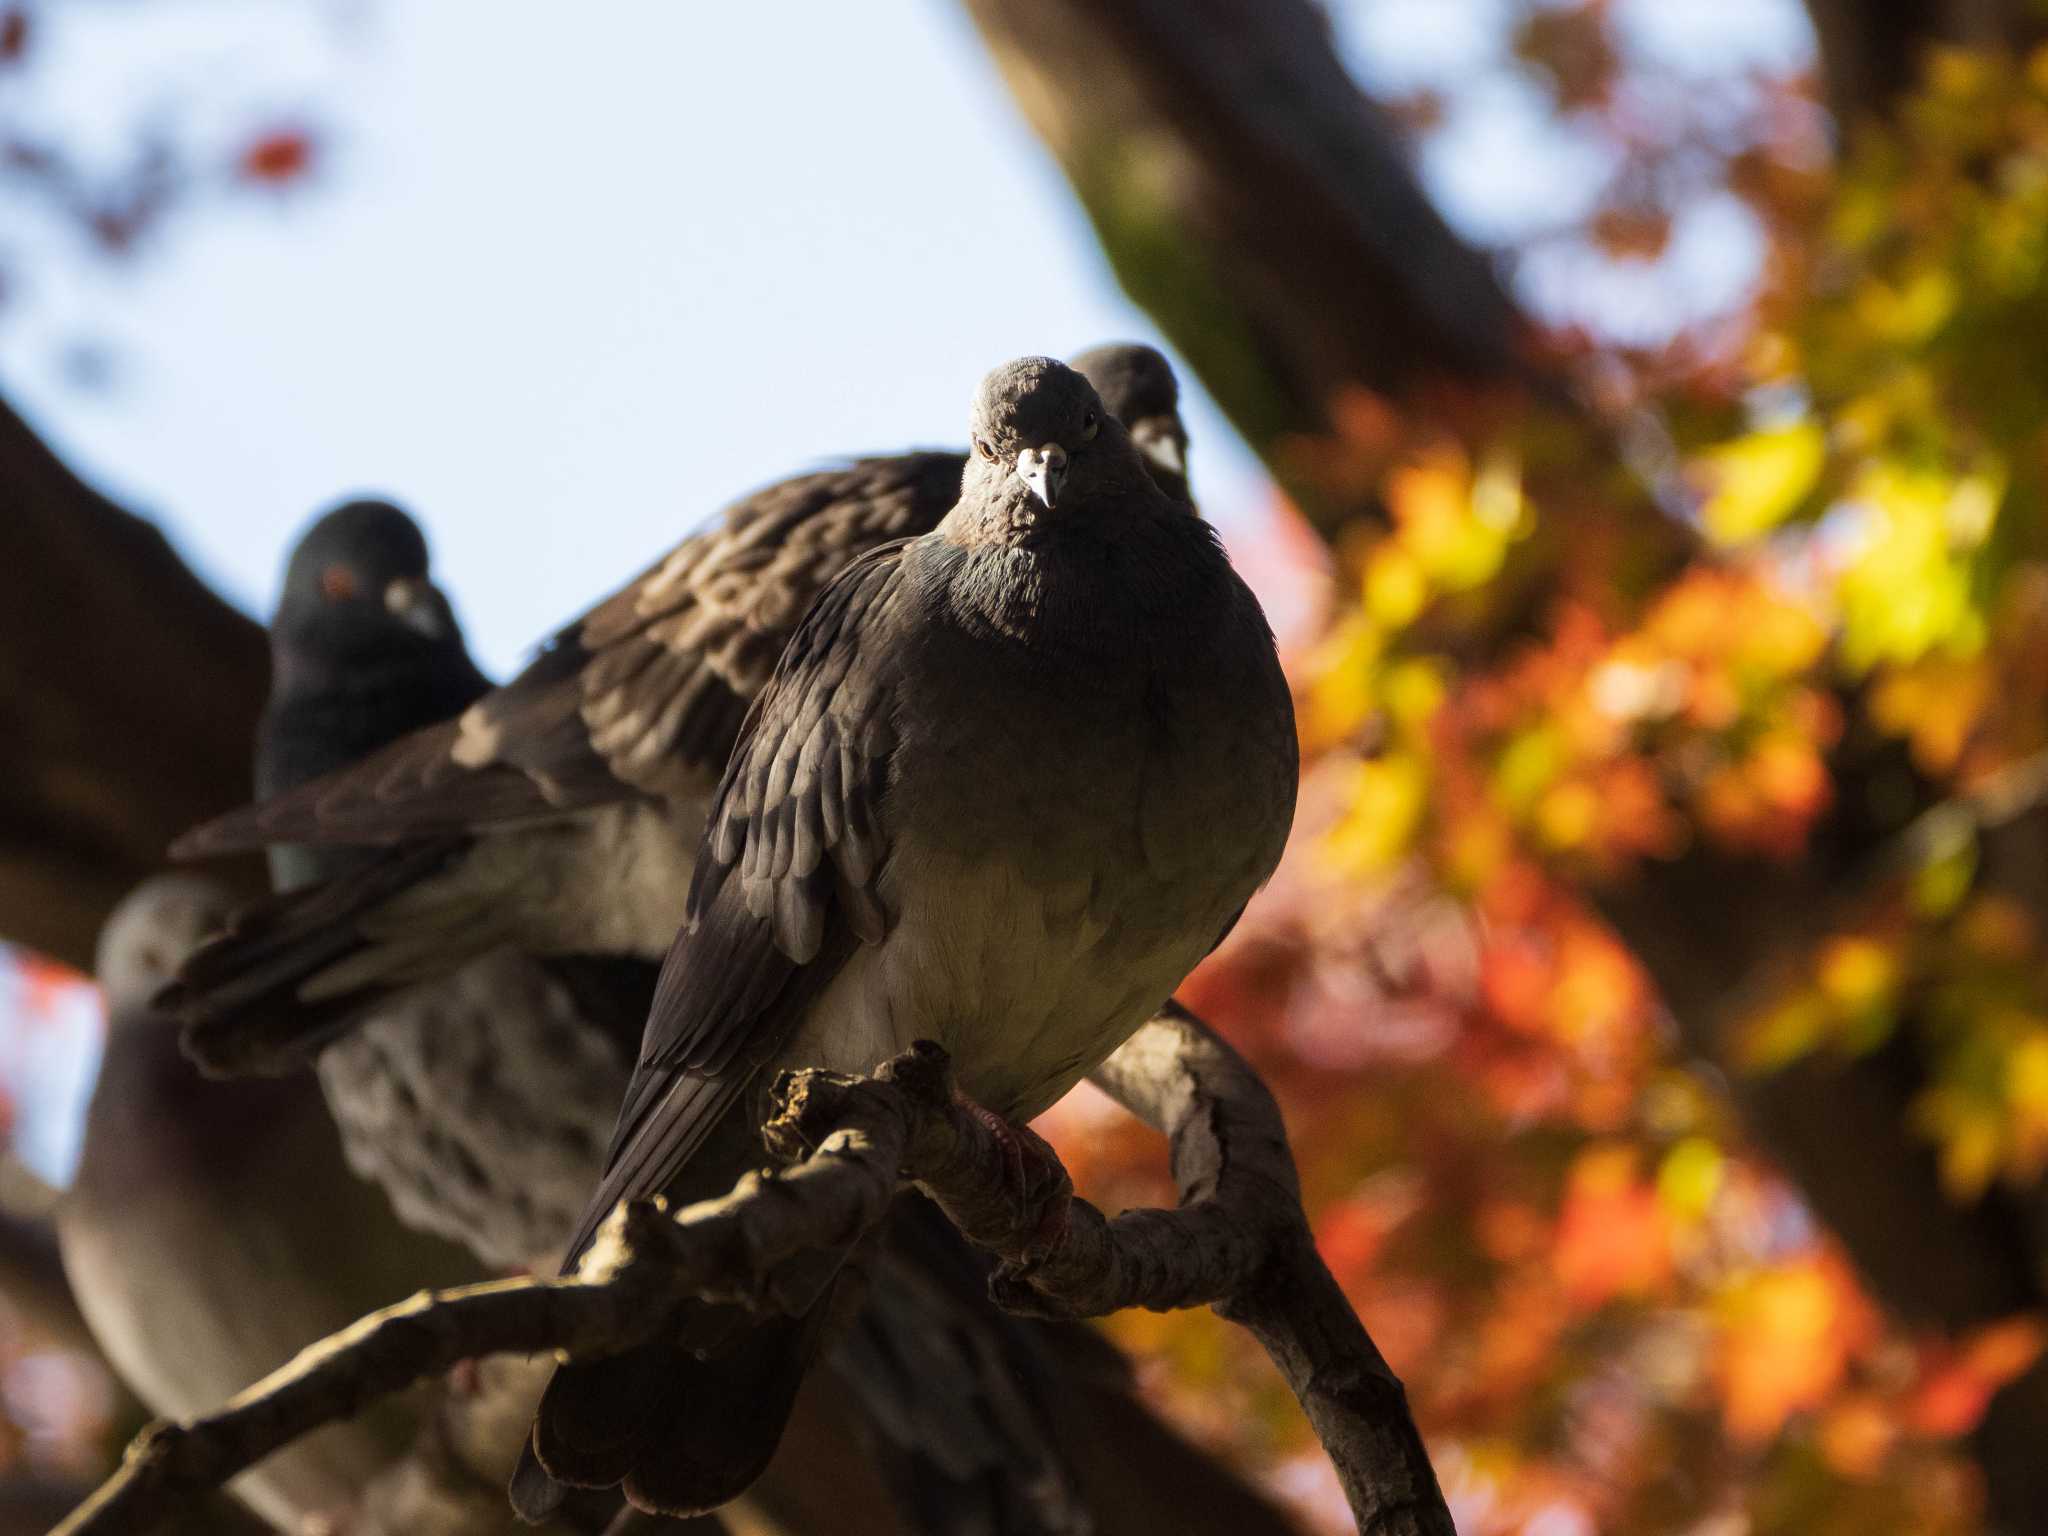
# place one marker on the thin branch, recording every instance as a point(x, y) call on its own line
point(1239, 1241)
point(1230, 1156)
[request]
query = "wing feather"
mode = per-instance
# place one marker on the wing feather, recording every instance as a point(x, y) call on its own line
point(766, 931)
point(642, 696)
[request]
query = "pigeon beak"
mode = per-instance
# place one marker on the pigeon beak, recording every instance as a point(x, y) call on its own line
point(1159, 442)
point(1043, 469)
point(416, 603)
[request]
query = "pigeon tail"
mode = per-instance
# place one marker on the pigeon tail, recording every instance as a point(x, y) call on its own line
point(682, 1435)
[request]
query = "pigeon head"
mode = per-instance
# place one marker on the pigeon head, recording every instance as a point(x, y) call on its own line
point(1138, 387)
point(1044, 441)
point(358, 580)
point(152, 930)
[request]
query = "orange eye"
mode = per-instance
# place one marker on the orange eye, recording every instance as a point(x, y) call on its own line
point(981, 447)
point(337, 583)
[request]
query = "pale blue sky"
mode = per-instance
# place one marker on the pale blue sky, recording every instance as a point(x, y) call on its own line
point(566, 288)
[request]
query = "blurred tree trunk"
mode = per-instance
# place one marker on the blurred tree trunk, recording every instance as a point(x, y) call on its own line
point(1252, 200)
point(128, 700)
point(1871, 50)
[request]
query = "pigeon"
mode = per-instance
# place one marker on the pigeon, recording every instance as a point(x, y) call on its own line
point(559, 814)
point(481, 1100)
point(480, 1104)
point(364, 648)
point(1010, 781)
point(213, 1230)
point(1139, 387)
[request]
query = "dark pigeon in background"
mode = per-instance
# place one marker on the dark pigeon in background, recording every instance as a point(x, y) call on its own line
point(213, 1230)
point(1010, 782)
point(1140, 389)
point(479, 1104)
point(560, 813)
point(364, 648)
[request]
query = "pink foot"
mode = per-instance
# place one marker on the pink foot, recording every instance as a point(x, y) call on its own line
point(1033, 1175)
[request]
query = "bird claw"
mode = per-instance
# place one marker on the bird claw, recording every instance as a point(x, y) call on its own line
point(1034, 1178)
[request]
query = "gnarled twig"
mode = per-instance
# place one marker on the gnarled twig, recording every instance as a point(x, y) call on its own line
point(1238, 1241)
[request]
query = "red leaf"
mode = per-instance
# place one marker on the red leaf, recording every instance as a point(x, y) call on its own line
point(283, 155)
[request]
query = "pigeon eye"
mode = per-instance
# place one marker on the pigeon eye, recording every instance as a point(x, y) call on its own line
point(1089, 426)
point(337, 583)
point(981, 447)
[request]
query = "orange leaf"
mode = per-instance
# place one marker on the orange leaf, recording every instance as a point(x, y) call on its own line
point(1612, 1238)
point(1786, 1338)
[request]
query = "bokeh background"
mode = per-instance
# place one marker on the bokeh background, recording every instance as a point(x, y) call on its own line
point(1655, 986)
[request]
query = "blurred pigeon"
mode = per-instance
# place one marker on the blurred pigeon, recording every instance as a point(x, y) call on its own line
point(1010, 782)
point(213, 1230)
point(478, 1103)
point(559, 813)
point(1138, 386)
point(364, 648)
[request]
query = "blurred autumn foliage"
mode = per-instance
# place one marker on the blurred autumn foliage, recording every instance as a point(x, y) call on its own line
point(1658, 983)
point(1829, 653)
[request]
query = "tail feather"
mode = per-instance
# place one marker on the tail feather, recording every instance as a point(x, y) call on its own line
point(293, 971)
point(682, 1434)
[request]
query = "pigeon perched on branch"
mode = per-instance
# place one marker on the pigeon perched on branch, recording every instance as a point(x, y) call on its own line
point(560, 812)
point(481, 1100)
point(1011, 780)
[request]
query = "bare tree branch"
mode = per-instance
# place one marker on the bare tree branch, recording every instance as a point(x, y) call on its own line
point(1239, 1240)
point(1230, 1154)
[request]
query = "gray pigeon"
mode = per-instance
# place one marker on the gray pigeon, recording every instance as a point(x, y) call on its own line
point(560, 812)
point(213, 1230)
point(1011, 780)
point(481, 1100)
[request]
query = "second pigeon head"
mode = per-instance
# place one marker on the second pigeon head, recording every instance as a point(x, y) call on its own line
point(1138, 387)
point(358, 567)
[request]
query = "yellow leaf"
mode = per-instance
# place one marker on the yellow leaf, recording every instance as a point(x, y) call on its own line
point(1857, 973)
point(1567, 813)
point(1758, 480)
point(1528, 765)
point(1690, 1177)
point(1396, 586)
point(1388, 795)
point(1970, 1155)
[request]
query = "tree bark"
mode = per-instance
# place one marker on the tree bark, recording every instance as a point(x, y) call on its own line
point(128, 701)
point(1238, 1240)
